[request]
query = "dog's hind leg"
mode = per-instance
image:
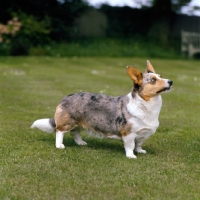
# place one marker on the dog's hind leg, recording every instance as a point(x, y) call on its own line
point(77, 137)
point(64, 123)
point(59, 139)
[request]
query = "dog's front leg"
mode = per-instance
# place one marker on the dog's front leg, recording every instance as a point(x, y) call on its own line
point(129, 144)
point(59, 139)
point(138, 145)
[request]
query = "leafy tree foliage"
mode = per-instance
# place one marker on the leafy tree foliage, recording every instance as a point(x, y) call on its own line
point(62, 14)
point(169, 5)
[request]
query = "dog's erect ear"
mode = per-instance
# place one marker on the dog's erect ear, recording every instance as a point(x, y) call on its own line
point(135, 75)
point(149, 68)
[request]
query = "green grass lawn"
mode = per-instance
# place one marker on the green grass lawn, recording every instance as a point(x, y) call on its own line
point(32, 168)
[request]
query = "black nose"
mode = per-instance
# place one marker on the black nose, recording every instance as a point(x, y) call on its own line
point(170, 82)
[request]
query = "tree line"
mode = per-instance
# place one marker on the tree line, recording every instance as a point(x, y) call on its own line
point(42, 21)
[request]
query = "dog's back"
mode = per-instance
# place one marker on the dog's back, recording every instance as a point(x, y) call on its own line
point(96, 112)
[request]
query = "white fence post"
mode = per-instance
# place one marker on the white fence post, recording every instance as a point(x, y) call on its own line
point(190, 43)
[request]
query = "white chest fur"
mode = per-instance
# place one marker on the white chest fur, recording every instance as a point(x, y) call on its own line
point(144, 113)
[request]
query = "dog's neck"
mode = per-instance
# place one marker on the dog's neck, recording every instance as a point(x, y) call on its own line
point(138, 90)
point(139, 105)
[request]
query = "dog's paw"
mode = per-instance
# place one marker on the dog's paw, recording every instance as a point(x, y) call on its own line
point(60, 146)
point(82, 143)
point(140, 150)
point(131, 156)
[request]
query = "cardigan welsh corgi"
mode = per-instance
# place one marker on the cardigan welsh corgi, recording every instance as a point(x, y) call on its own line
point(131, 118)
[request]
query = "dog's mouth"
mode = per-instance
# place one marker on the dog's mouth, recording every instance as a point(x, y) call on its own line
point(164, 89)
point(170, 83)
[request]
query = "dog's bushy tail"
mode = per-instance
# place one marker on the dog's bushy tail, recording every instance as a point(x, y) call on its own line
point(46, 125)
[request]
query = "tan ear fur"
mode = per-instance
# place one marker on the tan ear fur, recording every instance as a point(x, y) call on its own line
point(135, 75)
point(149, 68)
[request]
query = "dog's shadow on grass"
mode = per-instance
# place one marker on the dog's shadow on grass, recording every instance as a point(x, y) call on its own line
point(96, 143)
point(93, 143)
point(106, 144)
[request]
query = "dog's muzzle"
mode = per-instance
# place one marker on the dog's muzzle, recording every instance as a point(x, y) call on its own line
point(170, 83)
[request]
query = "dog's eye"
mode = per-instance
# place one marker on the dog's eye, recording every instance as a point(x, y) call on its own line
point(153, 80)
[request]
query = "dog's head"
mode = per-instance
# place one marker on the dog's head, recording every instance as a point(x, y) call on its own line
point(148, 84)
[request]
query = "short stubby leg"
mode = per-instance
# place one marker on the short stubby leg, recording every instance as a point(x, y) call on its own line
point(129, 145)
point(78, 138)
point(140, 150)
point(138, 145)
point(59, 139)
